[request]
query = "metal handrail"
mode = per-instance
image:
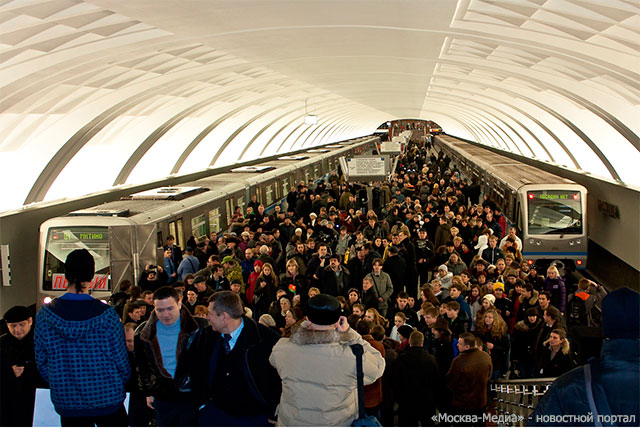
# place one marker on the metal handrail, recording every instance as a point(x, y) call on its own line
point(517, 399)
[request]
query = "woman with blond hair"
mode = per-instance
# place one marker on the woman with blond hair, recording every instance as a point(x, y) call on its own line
point(493, 332)
point(374, 317)
point(554, 284)
point(556, 355)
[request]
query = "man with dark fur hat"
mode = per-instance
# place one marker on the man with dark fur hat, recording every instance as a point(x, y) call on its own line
point(318, 368)
point(607, 387)
point(17, 369)
point(75, 329)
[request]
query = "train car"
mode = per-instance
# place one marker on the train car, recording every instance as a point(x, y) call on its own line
point(550, 212)
point(126, 235)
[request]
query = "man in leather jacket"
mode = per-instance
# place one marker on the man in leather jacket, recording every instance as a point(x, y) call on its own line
point(159, 345)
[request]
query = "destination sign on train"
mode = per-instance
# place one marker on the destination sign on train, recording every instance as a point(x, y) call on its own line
point(80, 236)
point(554, 196)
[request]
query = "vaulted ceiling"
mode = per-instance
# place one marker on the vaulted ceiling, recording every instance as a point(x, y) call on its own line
point(102, 93)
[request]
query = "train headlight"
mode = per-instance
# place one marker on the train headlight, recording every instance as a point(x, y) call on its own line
point(532, 241)
point(538, 242)
point(47, 300)
point(572, 243)
point(578, 241)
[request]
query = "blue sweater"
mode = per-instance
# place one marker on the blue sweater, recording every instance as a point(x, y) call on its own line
point(84, 360)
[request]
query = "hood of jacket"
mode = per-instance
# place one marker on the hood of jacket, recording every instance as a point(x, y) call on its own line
point(71, 329)
point(524, 326)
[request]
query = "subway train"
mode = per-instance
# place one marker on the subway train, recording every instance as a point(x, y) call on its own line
point(125, 235)
point(549, 212)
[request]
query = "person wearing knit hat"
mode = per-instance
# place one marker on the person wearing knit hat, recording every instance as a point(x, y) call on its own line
point(490, 298)
point(608, 387)
point(18, 369)
point(317, 368)
point(70, 331)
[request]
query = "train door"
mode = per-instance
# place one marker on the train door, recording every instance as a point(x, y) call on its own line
point(132, 247)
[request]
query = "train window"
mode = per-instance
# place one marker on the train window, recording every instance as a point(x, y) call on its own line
point(240, 203)
point(214, 220)
point(268, 195)
point(259, 194)
point(229, 206)
point(172, 229)
point(180, 235)
point(61, 241)
point(554, 212)
point(306, 175)
point(316, 171)
point(285, 187)
point(160, 242)
point(199, 226)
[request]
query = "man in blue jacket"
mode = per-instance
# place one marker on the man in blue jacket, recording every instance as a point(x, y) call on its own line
point(612, 397)
point(81, 352)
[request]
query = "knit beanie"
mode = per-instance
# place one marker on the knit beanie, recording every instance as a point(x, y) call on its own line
point(620, 314)
point(79, 267)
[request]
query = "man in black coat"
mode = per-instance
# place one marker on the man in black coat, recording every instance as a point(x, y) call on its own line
point(416, 384)
point(231, 378)
point(18, 369)
point(396, 267)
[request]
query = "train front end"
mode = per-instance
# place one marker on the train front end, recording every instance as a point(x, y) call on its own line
point(119, 249)
point(554, 225)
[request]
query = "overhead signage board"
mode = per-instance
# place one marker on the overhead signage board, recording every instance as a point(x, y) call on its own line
point(368, 168)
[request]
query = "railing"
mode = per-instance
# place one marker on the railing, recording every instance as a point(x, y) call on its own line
point(517, 399)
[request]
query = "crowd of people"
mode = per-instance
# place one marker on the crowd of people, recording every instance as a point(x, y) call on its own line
point(249, 327)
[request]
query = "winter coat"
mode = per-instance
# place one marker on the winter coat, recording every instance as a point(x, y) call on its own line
point(384, 288)
point(525, 304)
point(524, 340)
point(468, 378)
point(263, 381)
point(416, 381)
point(373, 392)
point(499, 351)
point(558, 292)
point(153, 378)
point(318, 372)
point(615, 379)
point(559, 364)
point(63, 348)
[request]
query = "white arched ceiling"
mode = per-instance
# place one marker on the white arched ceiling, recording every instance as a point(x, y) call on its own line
point(102, 93)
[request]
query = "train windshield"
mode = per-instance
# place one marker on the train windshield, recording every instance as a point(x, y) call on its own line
point(61, 241)
point(554, 212)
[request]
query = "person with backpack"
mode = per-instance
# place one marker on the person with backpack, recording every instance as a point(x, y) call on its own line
point(583, 322)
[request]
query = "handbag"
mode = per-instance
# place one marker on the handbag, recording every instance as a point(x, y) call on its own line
point(363, 420)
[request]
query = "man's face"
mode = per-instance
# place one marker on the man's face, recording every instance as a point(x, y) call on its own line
point(235, 287)
point(500, 265)
point(136, 314)
point(148, 299)
point(200, 286)
point(167, 254)
point(334, 263)
point(493, 242)
point(191, 296)
point(377, 268)
point(218, 322)
point(170, 242)
point(547, 319)
point(322, 251)
point(454, 293)
point(300, 248)
point(429, 319)
point(402, 302)
point(248, 254)
point(451, 313)
point(20, 329)
point(366, 285)
point(543, 301)
point(498, 293)
point(128, 339)
point(167, 310)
